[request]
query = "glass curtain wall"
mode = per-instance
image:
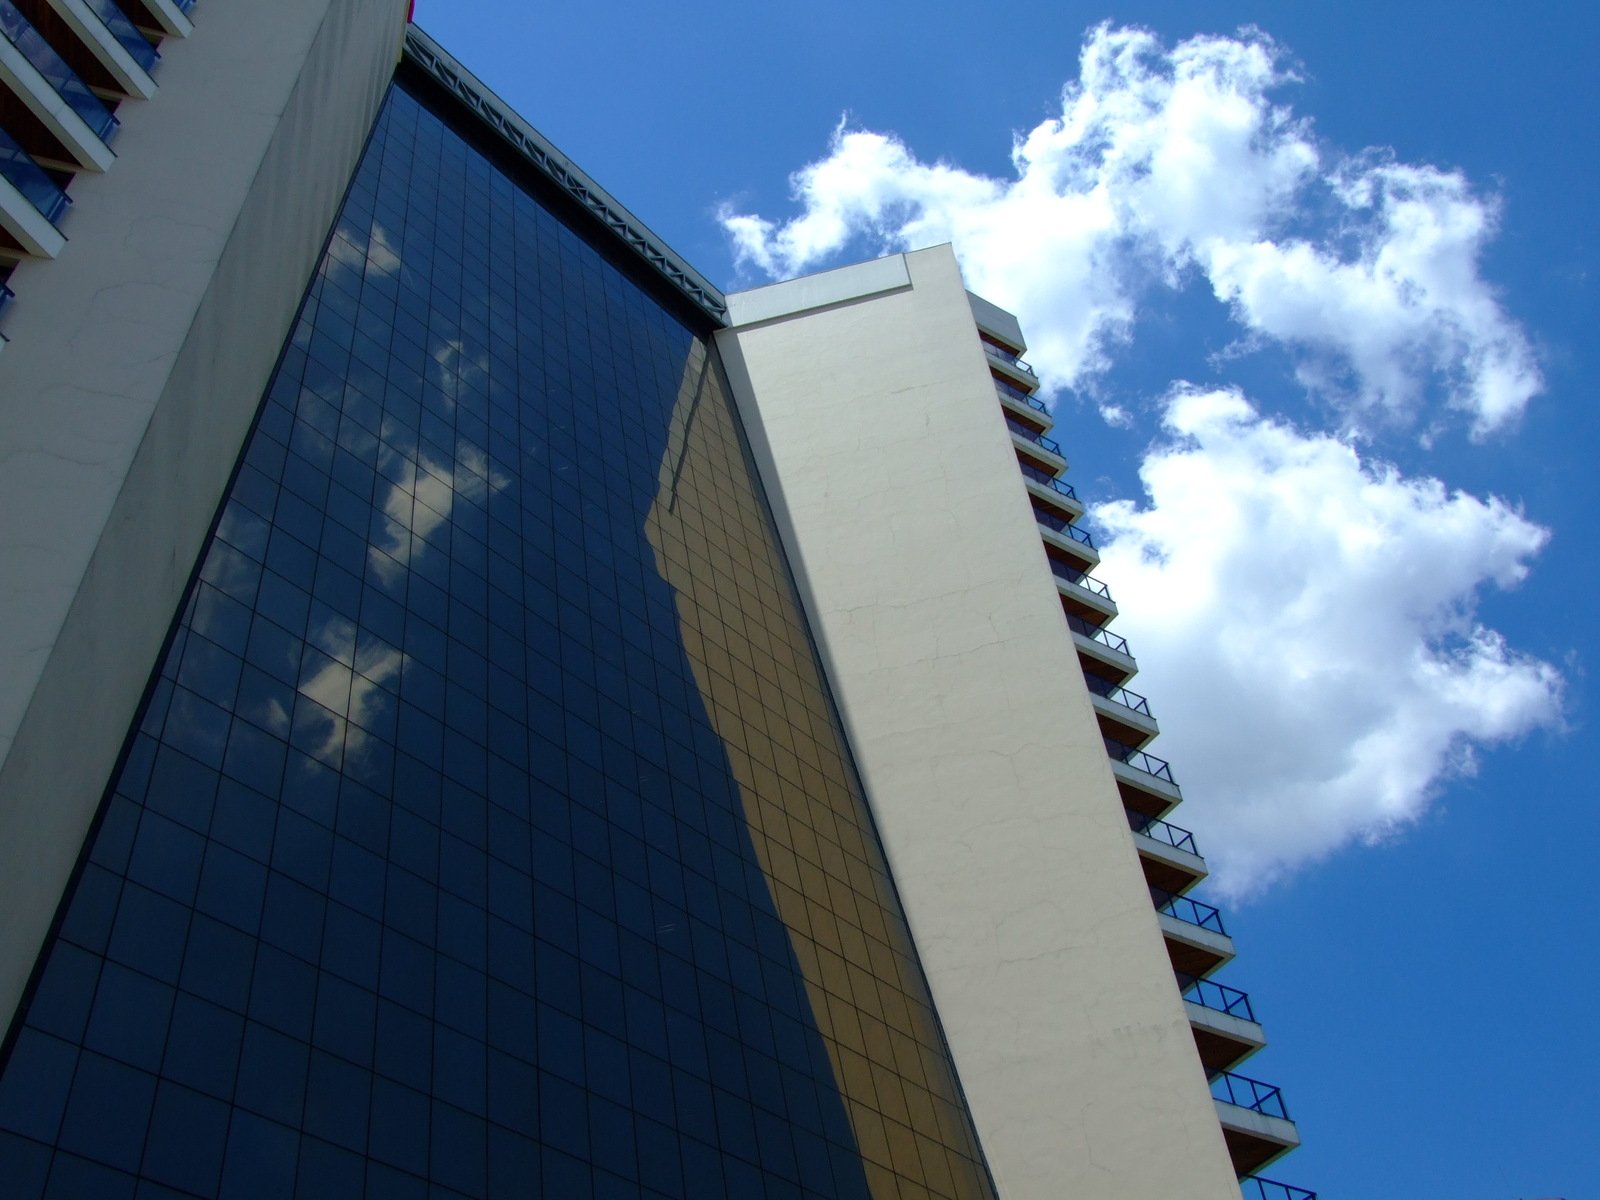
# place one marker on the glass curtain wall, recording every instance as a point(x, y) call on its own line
point(487, 831)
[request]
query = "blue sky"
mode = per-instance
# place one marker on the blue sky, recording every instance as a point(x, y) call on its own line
point(1306, 537)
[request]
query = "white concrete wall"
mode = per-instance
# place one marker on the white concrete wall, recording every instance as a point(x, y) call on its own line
point(896, 490)
point(137, 360)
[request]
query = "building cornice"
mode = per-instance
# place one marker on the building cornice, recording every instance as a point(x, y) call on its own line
point(531, 145)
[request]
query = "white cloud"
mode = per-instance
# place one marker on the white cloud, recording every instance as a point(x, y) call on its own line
point(1305, 624)
point(1305, 620)
point(1168, 164)
point(1408, 302)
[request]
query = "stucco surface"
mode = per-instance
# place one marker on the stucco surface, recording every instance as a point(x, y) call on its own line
point(896, 489)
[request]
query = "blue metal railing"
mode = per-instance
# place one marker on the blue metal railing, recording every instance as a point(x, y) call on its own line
point(1253, 1187)
point(1060, 524)
point(1010, 357)
point(1241, 1092)
point(1106, 638)
point(1022, 429)
point(1139, 760)
point(1077, 575)
point(1218, 997)
point(19, 31)
point(1012, 391)
point(29, 178)
point(1190, 912)
point(129, 38)
point(1040, 475)
point(1118, 695)
point(1161, 831)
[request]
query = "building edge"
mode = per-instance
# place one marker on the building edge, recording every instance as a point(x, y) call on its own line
point(186, 268)
point(871, 414)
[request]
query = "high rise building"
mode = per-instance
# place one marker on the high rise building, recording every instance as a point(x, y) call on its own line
point(484, 714)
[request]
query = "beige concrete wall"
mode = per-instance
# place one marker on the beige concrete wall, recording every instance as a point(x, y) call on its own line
point(137, 360)
point(896, 490)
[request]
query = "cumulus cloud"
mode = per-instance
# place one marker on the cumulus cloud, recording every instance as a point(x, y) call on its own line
point(1308, 620)
point(1170, 165)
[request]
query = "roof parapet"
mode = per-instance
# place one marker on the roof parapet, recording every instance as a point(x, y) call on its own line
point(536, 149)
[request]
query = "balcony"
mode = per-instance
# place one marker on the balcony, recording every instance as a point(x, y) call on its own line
point(1225, 1028)
point(1217, 997)
point(125, 33)
point(1189, 911)
point(1100, 660)
point(1196, 941)
point(1011, 392)
point(1127, 701)
point(30, 202)
point(1161, 831)
point(30, 180)
point(1050, 494)
point(1011, 362)
point(63, 80)
point(1082, 595)
point(1112, 641)
point(1041, 451)
point(1044, 479)
point(1253, 1187)
point(68, 120)
point(1003, 353)
point(1062, 525)
point(1101, 652)
point(162, 18)
point(1060, 532)
point(1124, 716)
point(1255, 1123)
point(1143, 792)
point(1028, 433)
point(1251, 1094)
point(101, 44)
point(1144, 781)
point(1121, 697)
point(1158, 769)
point(1079, 578)
point(1167, 854)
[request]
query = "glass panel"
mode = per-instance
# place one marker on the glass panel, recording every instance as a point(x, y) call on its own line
point(128, 37)
point(495, 831)
point(28, 177)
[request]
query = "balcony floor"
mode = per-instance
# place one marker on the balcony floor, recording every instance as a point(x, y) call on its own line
point(1254, 1139)
point(1223, 1041)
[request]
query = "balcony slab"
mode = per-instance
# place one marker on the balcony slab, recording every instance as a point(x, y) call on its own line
point(1193, 950)
point(1167, 865)
point(55, 114)
point(1254, 1139)
point(1142, 780)
point(1224, 1040)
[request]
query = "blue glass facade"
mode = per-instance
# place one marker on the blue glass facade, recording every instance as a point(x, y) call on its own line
point(487, 831)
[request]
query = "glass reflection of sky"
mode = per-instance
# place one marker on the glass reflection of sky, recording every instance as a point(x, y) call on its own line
point(428, 871)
